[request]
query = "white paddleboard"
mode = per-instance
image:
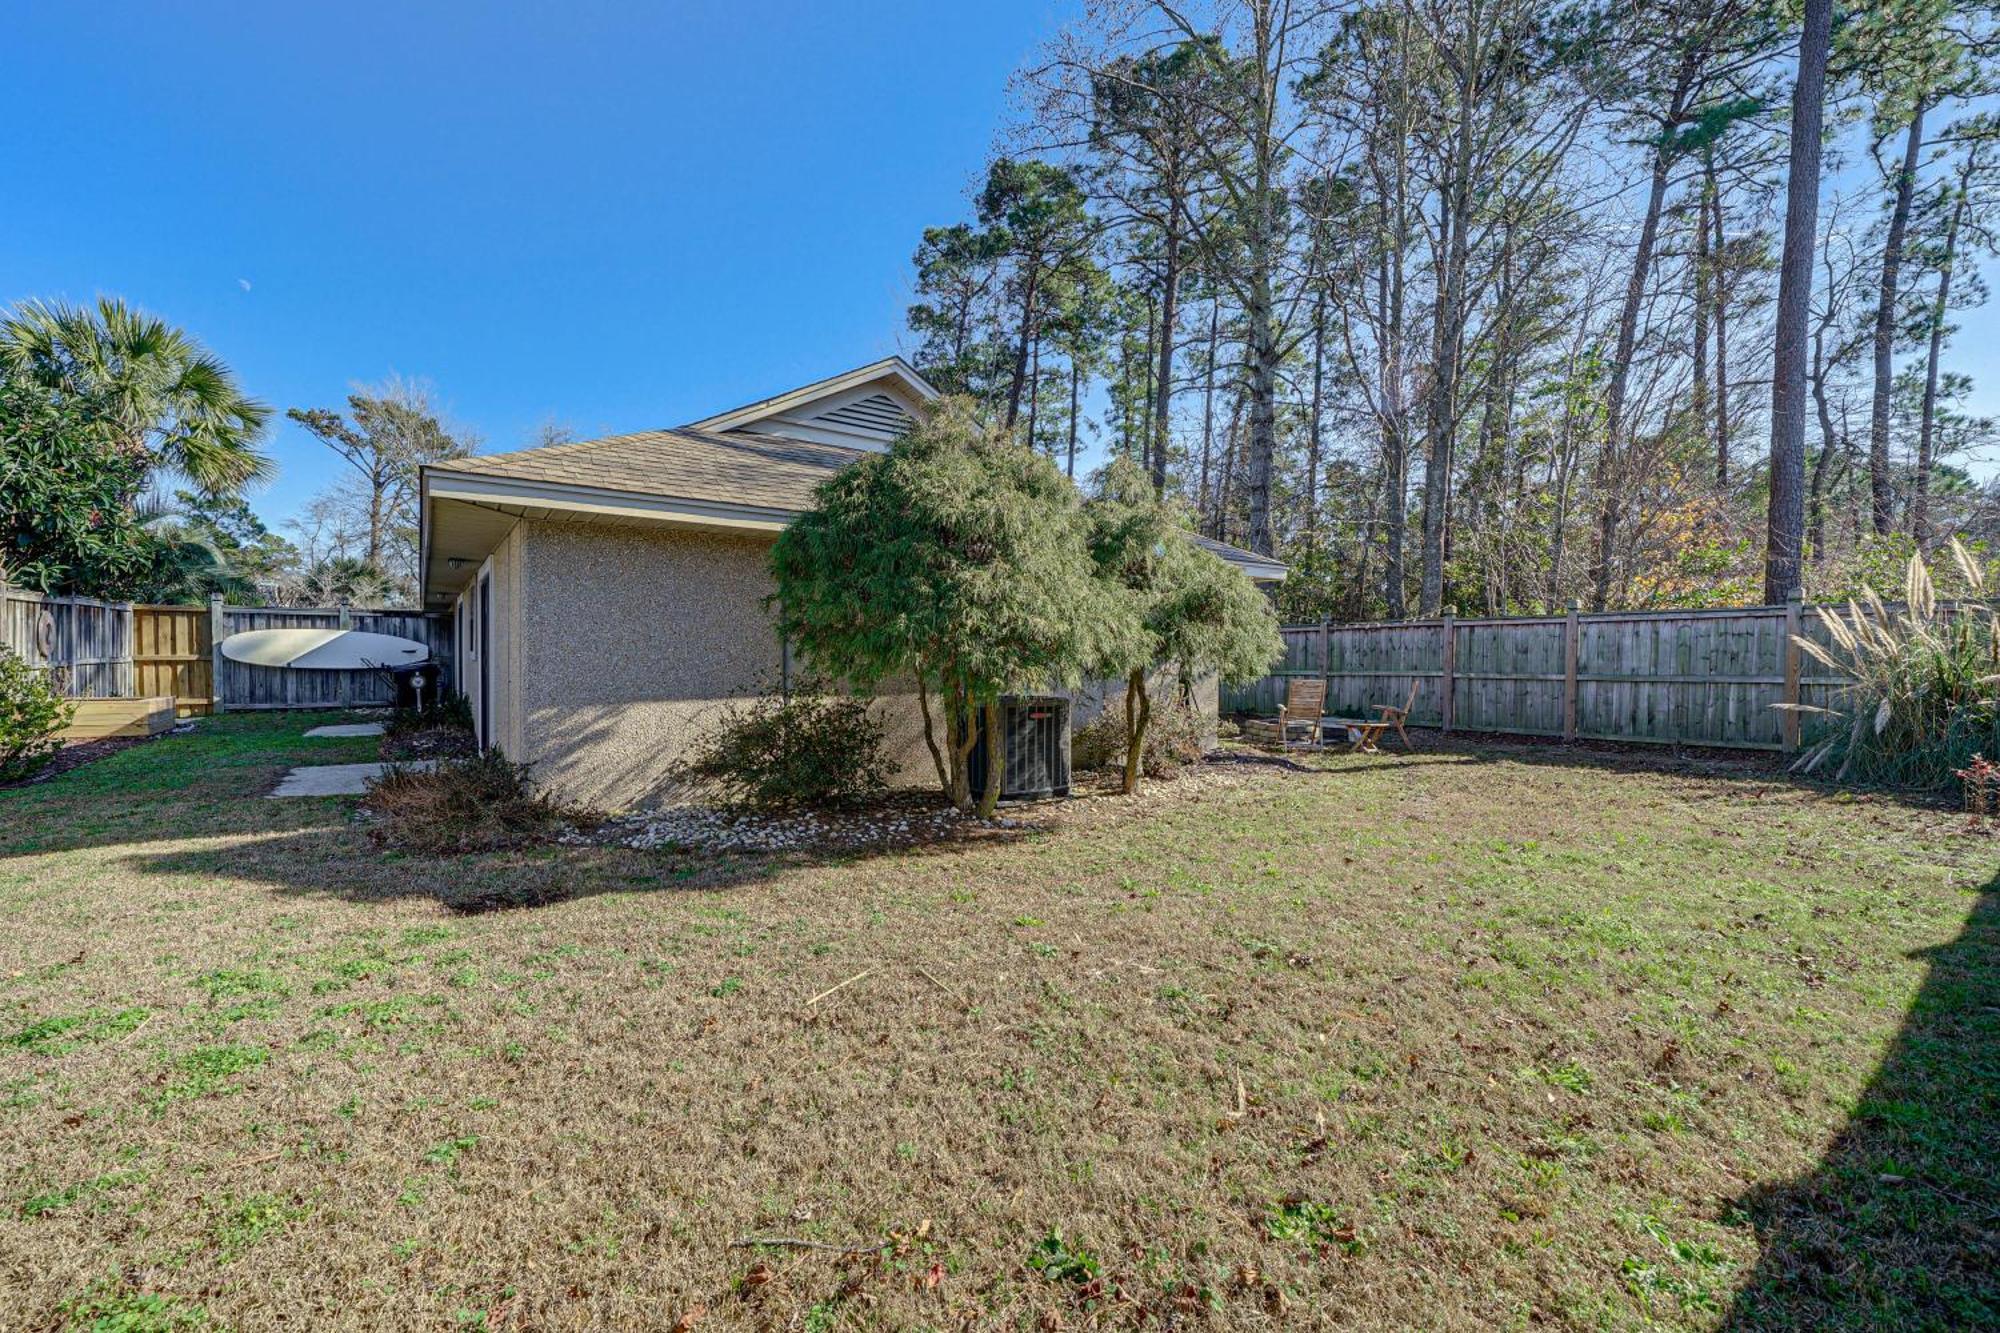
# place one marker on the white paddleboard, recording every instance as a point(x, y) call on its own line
point(322, 649)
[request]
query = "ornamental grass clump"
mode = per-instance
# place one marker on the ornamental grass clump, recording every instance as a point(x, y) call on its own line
point(481, 803)
point(1921, 694)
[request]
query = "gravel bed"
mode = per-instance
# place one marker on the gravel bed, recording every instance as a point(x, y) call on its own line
point(702, 829)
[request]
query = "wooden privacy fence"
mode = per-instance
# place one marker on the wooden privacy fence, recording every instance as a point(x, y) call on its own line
point(245, 686)
point(123, 650)
point(1666, 677)
point(86, 643)
point(173, 652)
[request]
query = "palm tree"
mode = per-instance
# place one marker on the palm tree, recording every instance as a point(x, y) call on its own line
point(343, 581)
point(161, 394)
point(185, 568)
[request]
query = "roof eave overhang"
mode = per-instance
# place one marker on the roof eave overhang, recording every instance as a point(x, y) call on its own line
point(525, 497)
point(475, 488)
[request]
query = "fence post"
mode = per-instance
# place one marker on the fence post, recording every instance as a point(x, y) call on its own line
point(1450, 661)
point(1788, 718)
point(343, 690)
point(1571, 635)
point(1325, 663)
point(216, 634)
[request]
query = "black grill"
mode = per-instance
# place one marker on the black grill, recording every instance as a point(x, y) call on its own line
point(1036, 729)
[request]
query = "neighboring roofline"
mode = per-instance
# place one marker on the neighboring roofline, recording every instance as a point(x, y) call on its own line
point(1260, 568)
point(1261, 571)
point(924, 390)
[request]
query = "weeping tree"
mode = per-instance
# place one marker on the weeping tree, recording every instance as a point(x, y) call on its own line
point(957, 559)
point(1192, 611)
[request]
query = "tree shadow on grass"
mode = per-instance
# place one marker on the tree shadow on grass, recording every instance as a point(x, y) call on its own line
point(343, 863)
point(1899, 1225)
point(1762, 769)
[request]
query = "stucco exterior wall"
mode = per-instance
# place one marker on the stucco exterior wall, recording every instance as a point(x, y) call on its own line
point(632, 642)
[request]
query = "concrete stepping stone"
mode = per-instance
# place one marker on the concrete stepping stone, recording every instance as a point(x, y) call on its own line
point(332, 779)
point(348, 729)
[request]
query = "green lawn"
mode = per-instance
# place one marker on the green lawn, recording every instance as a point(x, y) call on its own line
point(1480, 1038)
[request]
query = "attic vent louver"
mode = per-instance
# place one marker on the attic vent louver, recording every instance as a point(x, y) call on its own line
point(877, 414)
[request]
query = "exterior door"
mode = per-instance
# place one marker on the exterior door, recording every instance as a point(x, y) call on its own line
point(485, 599)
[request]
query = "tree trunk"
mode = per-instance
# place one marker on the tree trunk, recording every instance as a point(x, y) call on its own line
point(1263, 392)
point(1318, 396)
point(1486, 481)
point(1441, 421)
point(1561, 466)
point(1020, 383)
point(1075, 389)
point(1609, 477)
point(930, 736)
point(1816, 512)
point(1880, 489)
point(1229, 451)
point(378, 487)
point(1208, 411)
point(1395, 457)
point(1703, 272)
point(1720, 290)
point(1356, 598)
point(1920, 488)
point(1034, 388)
point(996, 761)
point(960, 737)
point(1138, 714)
point(1163, 384)
point(1785, 527)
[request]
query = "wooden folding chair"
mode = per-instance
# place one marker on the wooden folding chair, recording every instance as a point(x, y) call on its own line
point(1364, 734)
point(1305, 704)
point(1393, 716)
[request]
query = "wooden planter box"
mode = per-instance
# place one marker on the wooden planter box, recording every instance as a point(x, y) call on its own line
point(98, 718)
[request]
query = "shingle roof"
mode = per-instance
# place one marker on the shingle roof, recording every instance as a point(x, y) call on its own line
point(1236, 555)
point(764, 471)
point(761, 471)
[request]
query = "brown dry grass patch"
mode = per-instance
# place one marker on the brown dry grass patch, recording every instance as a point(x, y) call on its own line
point(1465, 1040)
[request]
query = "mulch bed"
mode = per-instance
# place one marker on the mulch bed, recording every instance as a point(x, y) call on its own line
point(430, 743)
point(78, 753)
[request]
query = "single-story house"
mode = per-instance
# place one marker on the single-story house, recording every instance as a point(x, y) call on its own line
point(608, 594)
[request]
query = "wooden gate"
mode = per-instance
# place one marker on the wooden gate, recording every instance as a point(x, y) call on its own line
point(173, 653)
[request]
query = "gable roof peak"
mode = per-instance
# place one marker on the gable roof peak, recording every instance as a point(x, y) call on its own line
point(890, 370)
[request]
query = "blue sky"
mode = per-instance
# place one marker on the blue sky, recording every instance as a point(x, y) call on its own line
point(616, 215)
point(613, 215)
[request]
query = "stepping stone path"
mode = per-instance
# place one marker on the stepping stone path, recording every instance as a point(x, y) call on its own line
point(331, 779)
point(348, 729)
